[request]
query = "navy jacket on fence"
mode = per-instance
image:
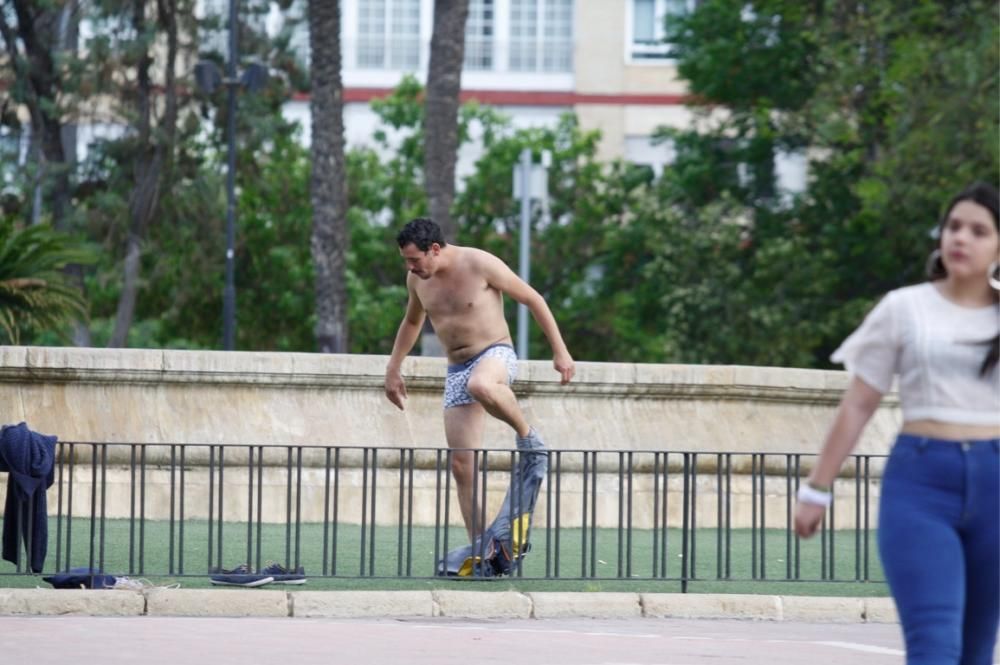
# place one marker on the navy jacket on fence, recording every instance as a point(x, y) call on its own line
point(29, 459)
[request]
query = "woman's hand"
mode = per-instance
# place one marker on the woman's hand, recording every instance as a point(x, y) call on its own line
point(808, 517)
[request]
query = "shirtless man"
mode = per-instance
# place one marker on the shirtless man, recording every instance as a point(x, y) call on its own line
point(461, 289)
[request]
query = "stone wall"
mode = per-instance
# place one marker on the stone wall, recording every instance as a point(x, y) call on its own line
point(154, 397)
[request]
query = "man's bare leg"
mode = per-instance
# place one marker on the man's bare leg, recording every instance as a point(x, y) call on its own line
point(488, 385)
point(463, 428)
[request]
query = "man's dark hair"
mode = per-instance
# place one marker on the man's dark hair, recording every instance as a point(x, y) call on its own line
point(422, 232)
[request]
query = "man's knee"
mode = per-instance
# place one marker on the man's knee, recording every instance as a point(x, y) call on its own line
point(480, 389)
point(484, 390)
point(463, 465)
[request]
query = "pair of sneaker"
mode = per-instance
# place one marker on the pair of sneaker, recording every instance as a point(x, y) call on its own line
point(243, 575)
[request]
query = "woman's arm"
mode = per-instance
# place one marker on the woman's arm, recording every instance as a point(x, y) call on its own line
point(856, 408)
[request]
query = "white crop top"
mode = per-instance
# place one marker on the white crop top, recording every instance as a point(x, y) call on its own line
point(936, 347)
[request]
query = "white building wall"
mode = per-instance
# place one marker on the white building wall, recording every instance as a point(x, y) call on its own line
point(360, 123)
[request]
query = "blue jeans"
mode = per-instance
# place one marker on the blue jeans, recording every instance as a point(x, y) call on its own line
point(939, 522)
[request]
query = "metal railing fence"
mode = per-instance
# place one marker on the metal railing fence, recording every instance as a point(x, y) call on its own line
point(184, 510)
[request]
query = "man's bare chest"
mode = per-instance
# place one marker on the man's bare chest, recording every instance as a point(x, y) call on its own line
point(451, 299)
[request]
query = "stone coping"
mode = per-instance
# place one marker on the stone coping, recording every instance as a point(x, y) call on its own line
point(442, 603)
point(146, 396)
point(358, 371)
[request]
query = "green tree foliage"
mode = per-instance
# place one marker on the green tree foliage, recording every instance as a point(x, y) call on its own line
point(894, 104)
point(569, 259)
point(179, 301)
point(384, 183)
point(35, 293)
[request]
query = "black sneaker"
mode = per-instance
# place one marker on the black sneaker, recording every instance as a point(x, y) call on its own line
point(241, 575)
point(283, 576)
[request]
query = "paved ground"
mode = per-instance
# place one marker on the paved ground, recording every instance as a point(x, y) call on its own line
point(150, 640)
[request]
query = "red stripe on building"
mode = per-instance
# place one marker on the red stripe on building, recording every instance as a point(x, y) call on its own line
point(525, 98)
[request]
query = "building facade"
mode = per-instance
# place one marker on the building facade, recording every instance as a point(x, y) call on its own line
point(604, 60)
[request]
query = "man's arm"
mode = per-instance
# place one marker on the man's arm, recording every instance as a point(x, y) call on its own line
point(406, 337)
point(502, 278)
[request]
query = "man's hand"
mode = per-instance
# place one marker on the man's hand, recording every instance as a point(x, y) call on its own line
point(395, 388)
point(564, 365)
point(808, 517)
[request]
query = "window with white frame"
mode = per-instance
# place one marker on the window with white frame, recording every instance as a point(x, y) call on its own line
point(389, 34)
point(648, 19)
point(650, 151)
point(541, 35)
point(479, 31)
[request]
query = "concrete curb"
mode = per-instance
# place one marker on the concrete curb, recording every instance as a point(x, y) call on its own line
point(483, 604)
point(356, 604)
point(442, 603)
point(85, 602)
point(215, 603)
point(566, 604)
point(711, 606)
point(810, 608)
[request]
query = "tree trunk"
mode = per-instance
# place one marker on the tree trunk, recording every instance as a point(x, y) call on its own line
point(38, 30)
point(151, 161)
point(328, 191)
point(444, 81)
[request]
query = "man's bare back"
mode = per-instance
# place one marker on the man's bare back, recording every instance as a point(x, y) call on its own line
point(465, 309)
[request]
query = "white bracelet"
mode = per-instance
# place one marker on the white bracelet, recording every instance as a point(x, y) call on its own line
point(812, 495)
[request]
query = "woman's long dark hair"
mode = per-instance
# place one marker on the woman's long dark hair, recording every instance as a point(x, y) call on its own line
point(987, 196)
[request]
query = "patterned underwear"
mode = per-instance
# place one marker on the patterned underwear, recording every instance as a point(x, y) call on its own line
point(456, 385)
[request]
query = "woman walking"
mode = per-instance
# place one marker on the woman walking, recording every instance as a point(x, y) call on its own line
point(939, 515)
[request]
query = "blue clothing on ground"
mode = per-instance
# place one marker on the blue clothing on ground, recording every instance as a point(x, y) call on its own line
point(939, 539)
point(29, 458)
point(75, 578)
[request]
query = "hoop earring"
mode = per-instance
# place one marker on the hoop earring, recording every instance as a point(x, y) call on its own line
point(934, 268)
point(994, 275)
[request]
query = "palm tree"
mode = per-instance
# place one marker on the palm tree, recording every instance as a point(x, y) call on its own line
point(444, 81)
point(328, 189)
point(35, 292)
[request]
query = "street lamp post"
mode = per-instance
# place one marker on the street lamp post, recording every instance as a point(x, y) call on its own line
point(524, 260)
point(229, 292)
point(530, 182)
point(208, 79)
